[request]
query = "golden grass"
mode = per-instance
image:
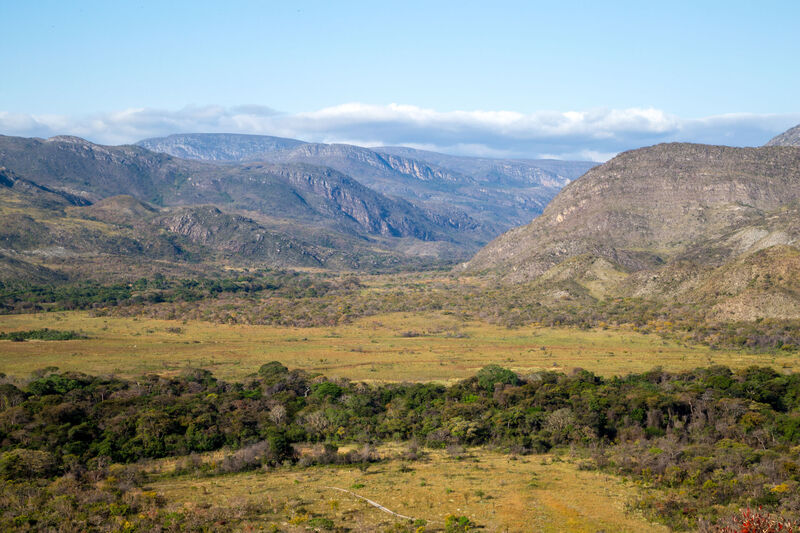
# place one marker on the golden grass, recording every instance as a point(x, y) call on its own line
point(536, 493)
point(380, 348)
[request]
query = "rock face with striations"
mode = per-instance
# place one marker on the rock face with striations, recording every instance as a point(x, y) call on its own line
point(646, 207)
point(235, 235)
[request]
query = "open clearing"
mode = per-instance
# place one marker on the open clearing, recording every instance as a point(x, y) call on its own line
point(392, 347)
point(496, 491)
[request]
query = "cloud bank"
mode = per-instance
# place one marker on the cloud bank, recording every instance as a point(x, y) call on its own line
point(595, 134)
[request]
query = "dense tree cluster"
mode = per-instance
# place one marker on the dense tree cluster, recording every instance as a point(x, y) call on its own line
point(44, 334)
point(25, 297)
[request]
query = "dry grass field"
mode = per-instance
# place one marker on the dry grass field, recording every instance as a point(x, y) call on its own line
point(393, 347)
point(496, 491)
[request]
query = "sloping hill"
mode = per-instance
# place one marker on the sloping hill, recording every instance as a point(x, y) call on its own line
point(677, 222)
point(648, 205)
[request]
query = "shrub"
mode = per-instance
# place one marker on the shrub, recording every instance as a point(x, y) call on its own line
point(456, 524)
point(327, 389)
point(22, 464)
point(272, 369)
point(54, 384)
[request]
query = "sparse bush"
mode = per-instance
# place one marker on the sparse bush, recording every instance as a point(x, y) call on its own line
point(321, 523)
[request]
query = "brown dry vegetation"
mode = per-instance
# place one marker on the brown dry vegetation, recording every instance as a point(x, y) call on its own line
point(391, 347)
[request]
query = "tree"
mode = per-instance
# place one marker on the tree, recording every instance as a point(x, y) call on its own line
point(491, 375)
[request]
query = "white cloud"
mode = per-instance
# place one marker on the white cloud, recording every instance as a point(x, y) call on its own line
point(596, 134)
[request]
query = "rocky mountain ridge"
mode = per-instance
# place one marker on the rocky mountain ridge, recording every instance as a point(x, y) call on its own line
point(300, 191)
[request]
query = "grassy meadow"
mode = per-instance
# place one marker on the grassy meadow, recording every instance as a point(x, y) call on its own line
point(496, 491)
point(391, 347)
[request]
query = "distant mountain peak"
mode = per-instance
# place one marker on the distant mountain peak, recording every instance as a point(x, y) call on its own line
point(790, 137)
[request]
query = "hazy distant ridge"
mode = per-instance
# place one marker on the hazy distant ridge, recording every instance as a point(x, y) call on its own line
point(499, 193)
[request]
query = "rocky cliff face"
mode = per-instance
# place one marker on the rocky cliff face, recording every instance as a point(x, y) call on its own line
point(337, 194)
point(533, 172)
point(366, 164)
point(237, 236)
point(789, 137)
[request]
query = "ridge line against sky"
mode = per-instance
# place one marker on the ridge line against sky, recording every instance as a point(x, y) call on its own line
point(595, 135)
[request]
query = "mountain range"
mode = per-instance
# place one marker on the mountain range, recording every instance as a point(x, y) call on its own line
point(67, 203)
point(497, 193)
point(715, 227)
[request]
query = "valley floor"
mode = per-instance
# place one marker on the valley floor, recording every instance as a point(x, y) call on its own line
point(390, 347)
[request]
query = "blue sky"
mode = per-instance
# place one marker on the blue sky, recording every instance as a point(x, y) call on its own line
point(567, 79)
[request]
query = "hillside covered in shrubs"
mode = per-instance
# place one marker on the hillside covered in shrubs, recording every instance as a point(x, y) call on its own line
point(706, 441)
